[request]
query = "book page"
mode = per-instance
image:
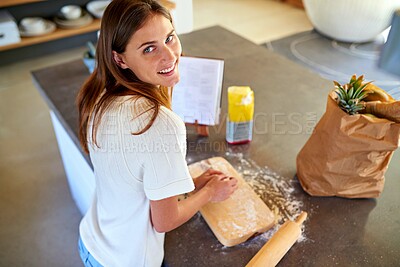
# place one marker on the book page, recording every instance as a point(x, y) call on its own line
point(197, 96)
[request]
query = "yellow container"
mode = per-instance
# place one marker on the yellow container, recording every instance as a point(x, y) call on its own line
point(239, 126)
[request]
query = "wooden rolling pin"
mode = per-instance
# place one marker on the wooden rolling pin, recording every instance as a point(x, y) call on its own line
point(274, 250)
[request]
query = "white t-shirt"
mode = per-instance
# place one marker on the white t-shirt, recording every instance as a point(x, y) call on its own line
point(130, 171)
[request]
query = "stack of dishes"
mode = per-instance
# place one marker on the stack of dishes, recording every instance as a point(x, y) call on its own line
point(72, 16)
point(35, 26)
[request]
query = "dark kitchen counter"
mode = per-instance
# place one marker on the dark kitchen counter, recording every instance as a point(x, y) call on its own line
point(289, 100)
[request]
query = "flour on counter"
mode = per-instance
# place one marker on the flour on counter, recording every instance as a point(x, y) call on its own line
point(280, 194)
point(276, 191)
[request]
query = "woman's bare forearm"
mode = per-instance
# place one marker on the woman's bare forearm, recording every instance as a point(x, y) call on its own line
point(169, 214)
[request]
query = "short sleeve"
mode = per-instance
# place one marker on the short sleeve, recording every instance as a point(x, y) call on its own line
point(165, 171)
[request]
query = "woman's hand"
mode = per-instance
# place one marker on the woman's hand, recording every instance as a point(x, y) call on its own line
point(204, 178)
point(221, 187)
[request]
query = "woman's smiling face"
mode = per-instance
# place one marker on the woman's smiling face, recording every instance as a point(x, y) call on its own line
point(153, 52)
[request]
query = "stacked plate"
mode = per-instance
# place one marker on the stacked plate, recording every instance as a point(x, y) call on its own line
point(35, 26)
point(83, 20)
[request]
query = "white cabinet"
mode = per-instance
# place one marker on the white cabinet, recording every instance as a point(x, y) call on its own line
point(79, 174)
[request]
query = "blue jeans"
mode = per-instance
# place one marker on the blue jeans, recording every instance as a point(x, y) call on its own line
point(86, 257)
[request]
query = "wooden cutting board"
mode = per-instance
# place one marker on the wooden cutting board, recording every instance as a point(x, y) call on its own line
point(242, 215)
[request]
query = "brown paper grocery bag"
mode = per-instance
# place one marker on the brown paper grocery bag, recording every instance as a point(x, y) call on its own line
point(347, 155)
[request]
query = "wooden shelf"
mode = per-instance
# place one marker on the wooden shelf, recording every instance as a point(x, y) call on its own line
point(168, 4)
point(5, 3)
point(296, 3)
point(57, 34)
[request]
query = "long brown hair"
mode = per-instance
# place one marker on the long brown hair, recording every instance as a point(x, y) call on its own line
point(121, 19)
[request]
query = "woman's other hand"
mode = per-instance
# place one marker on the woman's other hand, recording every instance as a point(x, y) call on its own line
point(204, 178)
point(221, 187)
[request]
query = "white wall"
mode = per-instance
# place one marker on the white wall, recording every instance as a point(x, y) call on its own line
point(183, 16)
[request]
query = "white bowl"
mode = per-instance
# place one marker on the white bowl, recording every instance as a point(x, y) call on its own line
point(33, 24)
point(71, 12)
point(96, 8)
point(48, 28)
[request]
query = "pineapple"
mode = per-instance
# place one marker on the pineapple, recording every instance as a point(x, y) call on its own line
point(351, 94)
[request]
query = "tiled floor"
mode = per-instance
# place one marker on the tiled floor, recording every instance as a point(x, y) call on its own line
point(39, 221)
point(256, 20)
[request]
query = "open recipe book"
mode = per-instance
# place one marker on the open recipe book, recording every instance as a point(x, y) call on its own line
point(197, 96)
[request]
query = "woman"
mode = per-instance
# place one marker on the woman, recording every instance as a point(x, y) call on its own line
point(136, 143)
